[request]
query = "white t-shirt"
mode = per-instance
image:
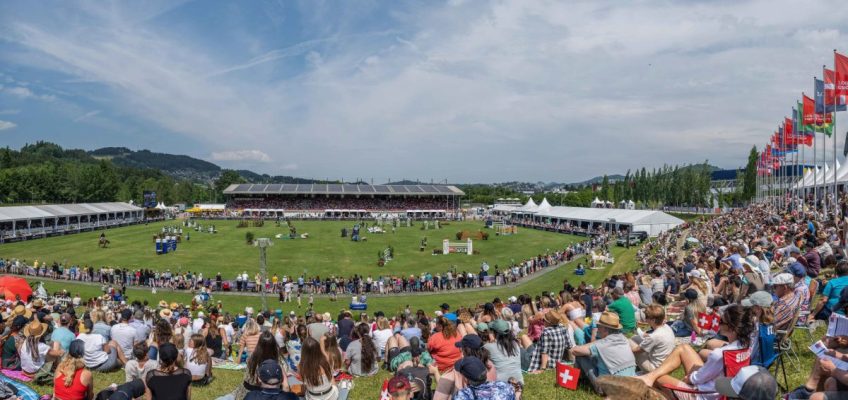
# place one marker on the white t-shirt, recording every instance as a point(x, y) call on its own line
point(704, 378)
point(658, 345)
point(381, 337)
point(94, 354)
point(124, 335)
point(29, 365)
point(197, 324)
point(196, 369)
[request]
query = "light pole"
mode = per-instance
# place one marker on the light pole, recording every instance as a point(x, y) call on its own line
point(263, 243)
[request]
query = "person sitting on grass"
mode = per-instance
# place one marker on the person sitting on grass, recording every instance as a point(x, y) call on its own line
point(73, 380)
point(609, 355)
point(652, 348)
point(168, 381)
point(361, 355)
point(442, 344)
point(100, 355)
point(399, 388)
point(473, 373)
point(270, 382)
point(34, 353)
point(736, 325)
point(138, 367)
point(552, 346)
point(688, 323)
point(266, 349)
point(316, 373)
point(198, 361)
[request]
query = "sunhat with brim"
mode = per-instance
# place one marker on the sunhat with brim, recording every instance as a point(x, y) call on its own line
point(163, 304)
point(553, 317)
point(165, 313)
point(35, 329)
point(20, 310)
point(609, 320)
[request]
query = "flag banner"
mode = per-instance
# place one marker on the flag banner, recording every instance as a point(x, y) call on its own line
point(811, 118)
point(787, 126)
point(830, 95)
point(567, 376)
point(840, 64)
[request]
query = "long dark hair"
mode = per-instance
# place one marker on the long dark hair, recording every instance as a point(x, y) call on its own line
point(506, 342)
point(369, 351)
point(266, 349)
point(313, 364)
point(741, 321)
point(163, 331)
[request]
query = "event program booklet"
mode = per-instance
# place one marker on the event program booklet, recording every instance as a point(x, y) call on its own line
point(837, 325)
point(818, 348)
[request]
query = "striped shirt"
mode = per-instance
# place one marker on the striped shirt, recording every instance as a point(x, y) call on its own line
point(784, 310)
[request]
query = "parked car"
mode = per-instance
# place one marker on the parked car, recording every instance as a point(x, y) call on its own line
point(632, 239)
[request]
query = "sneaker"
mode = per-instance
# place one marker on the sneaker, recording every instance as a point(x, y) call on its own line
point(800, 393)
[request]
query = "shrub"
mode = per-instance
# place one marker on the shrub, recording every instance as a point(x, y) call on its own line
point(248, 236)
point(459, 236)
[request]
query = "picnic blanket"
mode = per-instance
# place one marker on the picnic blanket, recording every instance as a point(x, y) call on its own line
point(17, 375)
point(24, 391)
point(229, 365)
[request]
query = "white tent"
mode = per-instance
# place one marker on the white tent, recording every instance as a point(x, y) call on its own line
point(530, 206)
point(544, 206)
point(649, 221)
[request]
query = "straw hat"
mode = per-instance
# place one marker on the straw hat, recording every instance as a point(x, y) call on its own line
point(35, 328)
point(609, 320)
point(165, 313)
point(37, 303)
point(174, 306)
point(553, 317)
point(19, 310)
point(163, 304)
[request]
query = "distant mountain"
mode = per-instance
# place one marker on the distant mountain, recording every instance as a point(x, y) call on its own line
point(178, 166)
point(253, 177)
point(598, 179)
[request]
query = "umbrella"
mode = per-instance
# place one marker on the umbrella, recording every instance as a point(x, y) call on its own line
point(12, 287)
point(693, 240)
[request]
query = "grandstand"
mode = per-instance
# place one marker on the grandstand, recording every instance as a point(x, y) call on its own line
point(37, 221)
point(343, 200)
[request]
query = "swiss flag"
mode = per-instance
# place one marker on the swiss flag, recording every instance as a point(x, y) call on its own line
point(384, 393)
point(705, 321)
point(567, 376)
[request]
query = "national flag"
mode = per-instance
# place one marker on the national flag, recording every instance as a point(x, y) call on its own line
point(705, 321)
point(840, 64)
point(384, 393)
point(829, 95)
point(787, 127)
point(567, 376)
point(811, 118)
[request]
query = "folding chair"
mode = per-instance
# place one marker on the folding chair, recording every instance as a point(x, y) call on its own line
point(802, 324)
point(734, 360)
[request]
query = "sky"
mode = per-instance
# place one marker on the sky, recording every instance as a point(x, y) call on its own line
point(463, 91)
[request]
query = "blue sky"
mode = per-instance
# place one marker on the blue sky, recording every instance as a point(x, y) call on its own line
point(482, 91)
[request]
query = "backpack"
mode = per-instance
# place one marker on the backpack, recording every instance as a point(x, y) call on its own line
point(420, 377)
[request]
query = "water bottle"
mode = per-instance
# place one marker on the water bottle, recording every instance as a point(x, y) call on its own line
point(694, 337)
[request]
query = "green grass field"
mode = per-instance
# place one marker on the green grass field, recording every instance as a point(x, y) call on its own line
point(325, 253)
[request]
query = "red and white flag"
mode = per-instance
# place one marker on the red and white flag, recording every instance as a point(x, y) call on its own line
point(384, 393)
point(567, 376)
point(705, 321)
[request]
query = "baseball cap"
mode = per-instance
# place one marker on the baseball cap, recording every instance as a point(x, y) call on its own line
point(398, 383)
point(471, 368)
point(470, 341)
point(482, 327)
point(270, 372)
point(695, 274)
point(783, 279)
point(796, 269)
point(444, 306)
point(751, 383)
point(759, 298)
point(499, 326)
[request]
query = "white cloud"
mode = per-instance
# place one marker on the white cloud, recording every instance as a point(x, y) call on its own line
point(550, 90)
point(4, 125)
point(27, 93)
point(241, 155)
point(87, 115)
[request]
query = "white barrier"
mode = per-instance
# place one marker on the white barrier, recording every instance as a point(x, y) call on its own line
point(457, 247)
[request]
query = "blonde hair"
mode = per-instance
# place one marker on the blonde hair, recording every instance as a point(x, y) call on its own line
point(68, 368)
point(251, 328)
point(179, 341)
point(655, 313)
point(383, 323)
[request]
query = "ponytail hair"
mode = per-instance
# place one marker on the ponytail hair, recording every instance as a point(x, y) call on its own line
point(741, 321)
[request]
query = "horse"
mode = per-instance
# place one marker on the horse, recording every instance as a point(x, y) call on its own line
point(104, 243)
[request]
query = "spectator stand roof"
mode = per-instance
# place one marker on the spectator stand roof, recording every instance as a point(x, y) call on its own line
point(343, 189)
point(19, 213)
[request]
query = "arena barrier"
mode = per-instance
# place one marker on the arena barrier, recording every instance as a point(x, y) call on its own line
point(457, 247)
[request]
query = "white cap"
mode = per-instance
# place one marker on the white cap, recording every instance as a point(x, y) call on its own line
point(200, 314)
point(695, 273)
point(783, 279)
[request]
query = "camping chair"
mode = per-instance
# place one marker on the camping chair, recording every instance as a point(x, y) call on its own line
point(802, 324)
point(734, 360)
point(782, 345)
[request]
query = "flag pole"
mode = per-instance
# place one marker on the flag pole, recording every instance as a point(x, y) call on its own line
point(833, 133)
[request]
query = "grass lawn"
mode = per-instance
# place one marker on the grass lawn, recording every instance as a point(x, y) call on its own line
point(325, 253)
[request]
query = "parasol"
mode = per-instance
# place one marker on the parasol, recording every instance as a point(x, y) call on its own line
point(12, 288)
